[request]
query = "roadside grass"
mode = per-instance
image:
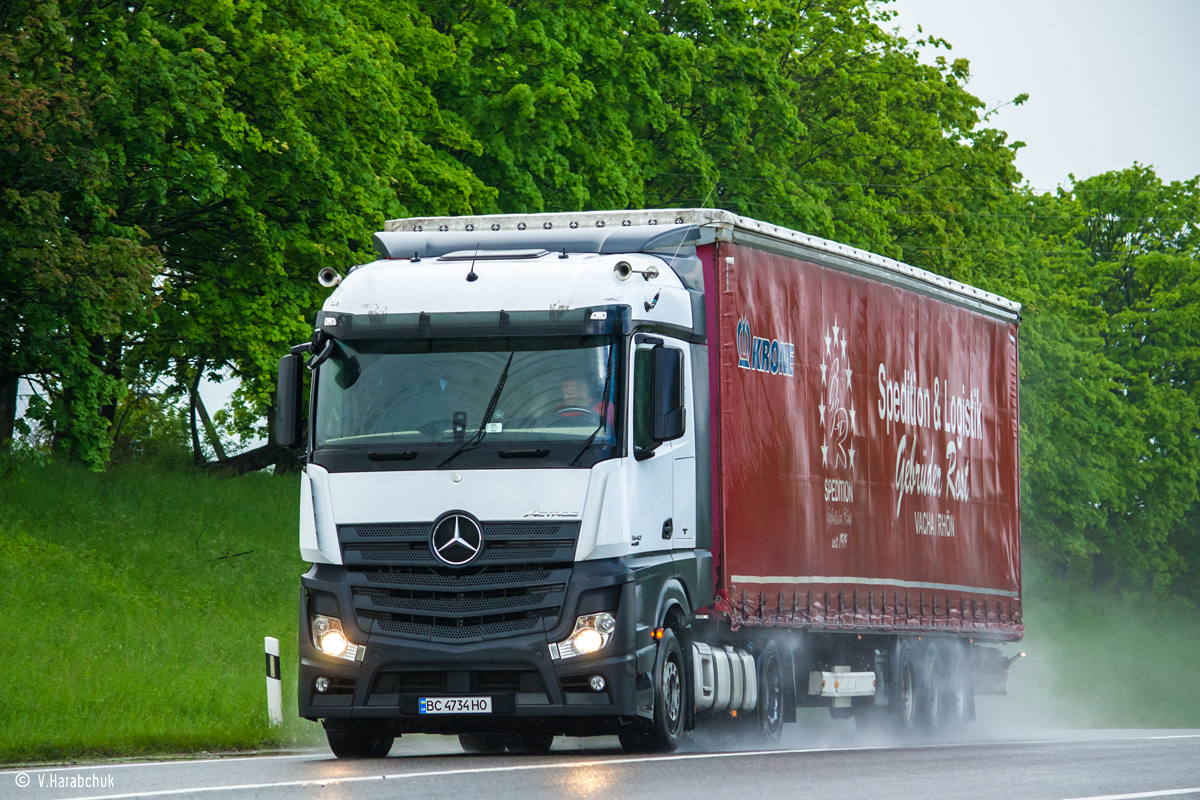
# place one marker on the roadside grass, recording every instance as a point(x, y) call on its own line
point(135, 608)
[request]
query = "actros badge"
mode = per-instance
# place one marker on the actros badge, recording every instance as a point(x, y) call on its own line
point(456, 539)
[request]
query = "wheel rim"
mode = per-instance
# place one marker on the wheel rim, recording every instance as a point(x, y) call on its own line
point(672, 691)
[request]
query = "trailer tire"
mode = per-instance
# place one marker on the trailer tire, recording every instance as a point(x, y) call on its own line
point(529, 743)
point(359, 739)
point(770, 695)
point(905, 693)
point(957, 690)
point(663, 733)
point(481, 742)
point(929, 688)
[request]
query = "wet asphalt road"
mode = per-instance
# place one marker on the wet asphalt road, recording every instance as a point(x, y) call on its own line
point(822, 764)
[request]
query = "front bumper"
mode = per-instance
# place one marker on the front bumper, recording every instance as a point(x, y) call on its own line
point(528, 689)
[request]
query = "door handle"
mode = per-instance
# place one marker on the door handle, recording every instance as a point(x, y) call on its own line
point(668, 529)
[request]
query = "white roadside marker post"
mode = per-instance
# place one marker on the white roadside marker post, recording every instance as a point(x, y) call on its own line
point(274, 685)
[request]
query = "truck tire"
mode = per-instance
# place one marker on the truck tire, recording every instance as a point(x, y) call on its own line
point(770, 695)
point(529, 743)
point(929, 688)
point(905, 693)
point(663, 733)
point(957, 692)
point(361, 739)
point(481, 742)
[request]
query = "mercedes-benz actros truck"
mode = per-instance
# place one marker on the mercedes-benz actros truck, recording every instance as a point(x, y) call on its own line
point(633, 472)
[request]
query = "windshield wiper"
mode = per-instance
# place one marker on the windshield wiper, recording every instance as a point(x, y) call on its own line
point(487, 417)
point(608, 371)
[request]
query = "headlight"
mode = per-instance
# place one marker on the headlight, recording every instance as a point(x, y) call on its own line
point(328, 637)
point(591, 634)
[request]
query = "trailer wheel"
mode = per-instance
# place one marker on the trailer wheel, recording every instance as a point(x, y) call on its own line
point(929, 688)
point(770, 695)
point(957, 691)
point(663, 733)
point(481, 742)
point(529, 743)
point(359, 739)
point(905, 694)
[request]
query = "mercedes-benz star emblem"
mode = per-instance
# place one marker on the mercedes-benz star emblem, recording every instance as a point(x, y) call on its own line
point(456, 540)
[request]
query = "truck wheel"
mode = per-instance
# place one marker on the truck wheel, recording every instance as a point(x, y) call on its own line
point(663, 733)
point(530, 743)
point(359, 740)
point(956, 691)
point(904, 695)
point(770, 695)
point(929, 688)
point(481, 742)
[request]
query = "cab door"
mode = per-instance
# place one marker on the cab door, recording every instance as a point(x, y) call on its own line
point(664, 506)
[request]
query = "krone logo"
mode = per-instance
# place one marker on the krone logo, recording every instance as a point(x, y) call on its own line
point(456, 539)
point(837, 404)
point(759, 354)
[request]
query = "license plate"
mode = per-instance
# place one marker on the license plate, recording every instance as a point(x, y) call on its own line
point(456, 705)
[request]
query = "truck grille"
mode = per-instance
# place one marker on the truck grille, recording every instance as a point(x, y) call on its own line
point(516, 585)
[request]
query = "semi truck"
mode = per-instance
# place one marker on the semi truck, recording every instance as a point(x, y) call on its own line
point(639, 472)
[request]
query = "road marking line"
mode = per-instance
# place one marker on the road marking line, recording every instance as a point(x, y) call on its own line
point(464, 771)
point(550, 765)
point(571, 764)
point(1135, 795)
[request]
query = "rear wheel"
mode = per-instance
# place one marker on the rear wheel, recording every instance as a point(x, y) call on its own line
point(481, 742)
point(904, 694)
point(929, 688)
point(956, 689)
point(663, 733)
point(359, 739)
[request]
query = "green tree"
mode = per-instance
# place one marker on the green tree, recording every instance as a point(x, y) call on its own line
point(1132, 254)
point(72, 272)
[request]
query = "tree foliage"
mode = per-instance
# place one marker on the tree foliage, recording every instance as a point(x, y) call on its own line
point(175, 173)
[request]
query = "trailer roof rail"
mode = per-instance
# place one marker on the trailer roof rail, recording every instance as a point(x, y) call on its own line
point(651, 230)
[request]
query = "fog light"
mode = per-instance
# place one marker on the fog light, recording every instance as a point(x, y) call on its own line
point(597, 683)
point(322, 684)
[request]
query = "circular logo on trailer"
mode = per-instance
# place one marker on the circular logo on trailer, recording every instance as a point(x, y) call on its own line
point(456, 539)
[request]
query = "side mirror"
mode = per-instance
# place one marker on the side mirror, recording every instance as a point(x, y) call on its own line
point(287, 402)
point(667, 395)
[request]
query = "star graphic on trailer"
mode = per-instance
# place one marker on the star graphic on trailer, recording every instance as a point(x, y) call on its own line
point(838, 337)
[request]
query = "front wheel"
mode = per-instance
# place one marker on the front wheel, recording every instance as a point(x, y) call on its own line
point(359, 740)
point(663, 733)
point(481, 742)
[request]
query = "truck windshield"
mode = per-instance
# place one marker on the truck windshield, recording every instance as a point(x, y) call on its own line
point(426, 404)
